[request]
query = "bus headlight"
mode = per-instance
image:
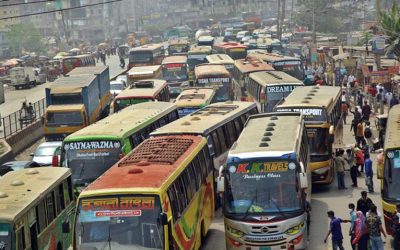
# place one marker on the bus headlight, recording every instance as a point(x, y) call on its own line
point(321, 170)
point(236, 233)
point(295, 230)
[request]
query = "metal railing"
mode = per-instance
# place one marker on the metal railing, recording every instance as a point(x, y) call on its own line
point(15, 122)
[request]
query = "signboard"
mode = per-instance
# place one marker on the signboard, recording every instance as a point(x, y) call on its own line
point(89, 145)
point(310, 114)
point(379, 76)
point(213, 80)
point(280, 91)
point(378, 45)
point(237, 50)
point(118, 203)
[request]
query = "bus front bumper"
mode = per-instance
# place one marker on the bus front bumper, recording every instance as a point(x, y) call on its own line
point(321, 172)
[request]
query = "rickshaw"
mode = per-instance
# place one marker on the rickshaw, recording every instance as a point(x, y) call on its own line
point(123, 51)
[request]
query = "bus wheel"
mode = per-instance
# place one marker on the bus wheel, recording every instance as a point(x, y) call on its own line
point(202, 233)
point(59, 247)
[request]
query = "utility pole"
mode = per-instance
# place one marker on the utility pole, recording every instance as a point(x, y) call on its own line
point(314, 26)
point(378, 10)
point(282, 18)
point(291, 17)
point(278, 28)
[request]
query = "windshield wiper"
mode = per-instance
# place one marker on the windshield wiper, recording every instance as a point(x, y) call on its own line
point(278, 208)
point(248, 209)
point(108, 240)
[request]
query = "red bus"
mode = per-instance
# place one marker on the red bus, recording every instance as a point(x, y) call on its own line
point(146, 55)
point(71, 62)
point(234, 50)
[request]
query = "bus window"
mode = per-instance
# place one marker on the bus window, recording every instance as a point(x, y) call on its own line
point(238, 125)
point(194, 183)
point(208, 159)
point(173, 200)
point(217, 147)
point(50, 207)
point(231, 133)
point(57, 201)
point(222, 140)
point(61, 196)
point(186, 180)
point(41, 216)
point(21, 239)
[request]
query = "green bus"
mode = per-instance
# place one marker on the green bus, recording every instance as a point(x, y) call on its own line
point(37, 209)
point(92, 150)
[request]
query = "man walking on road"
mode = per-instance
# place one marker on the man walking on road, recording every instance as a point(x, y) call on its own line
point(336, 230)
point(374, 225)
point(339, 164)
point(364, 203)
point(369, 173)
point(353, 218)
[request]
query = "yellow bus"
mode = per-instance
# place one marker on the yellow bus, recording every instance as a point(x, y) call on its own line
point(321, 108)
point(160, 196)
point(192, 99)
point(196, 55)
point(267, 88)
point(142, 91)
point(240, 75)
point(37, 207)
point(223, 59)
point(143, 73)
point(264, 183)
point(389, 171)
point(216, 76)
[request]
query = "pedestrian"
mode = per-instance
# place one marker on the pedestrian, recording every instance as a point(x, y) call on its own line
point(359, 159)
point(353, 218)
point(344, 112)
point(375, 229)
point(335, 229)
point(354, 173)
point(364, 203)
point(359, 132)
point(349, 158)
point(396, 232)
point(360, 98)
point(388, 97)
point(393, 101)
point(366, 111)
point(361, 234)
point(369, 136)
point(369, 173)
point(339, 165)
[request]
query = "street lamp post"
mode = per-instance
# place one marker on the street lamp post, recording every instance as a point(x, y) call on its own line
point(314, 26)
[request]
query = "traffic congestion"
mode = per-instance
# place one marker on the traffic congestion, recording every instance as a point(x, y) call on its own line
point(240, 134)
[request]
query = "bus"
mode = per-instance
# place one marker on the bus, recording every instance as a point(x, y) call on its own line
point(223, 59)
point(196, 55)
point(264, 183)
point(205, 41)
point(290, 65)
point(220, 123)
point(37, 207)
point(233, 49)
point(390, 169)
point(70, 62)
point(89, 152)
point(192, 99)
point(216, 76)
point(321, 108)
point(178, 46)
point(145, 55)
point(267, 88)
point(144, 72)
point(175, 72)
point(240, 74)
point(160, 196)
point(142, 91)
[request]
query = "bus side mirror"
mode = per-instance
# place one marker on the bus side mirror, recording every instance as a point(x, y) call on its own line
point(65, 227)
point(303, 180)
point(55, 161)
point(331, 134)
point(163, 219)
point(221, 180)
point(379, 172)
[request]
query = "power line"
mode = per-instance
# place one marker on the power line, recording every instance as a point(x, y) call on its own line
point(17, 4)
point(53, 11)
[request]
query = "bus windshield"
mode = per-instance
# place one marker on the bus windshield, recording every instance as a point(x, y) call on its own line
point(237, 53)
point(195, 60)
point(119, 222)
point(391, 182)
point(5, 236)
point(175, 72)
point(123, 103)
point(318, 141)
point(254, 187)
point(186, 111)
point(222, 84)
point(141, 57)
point(57, 119)
point(293, 68)
point(90, 159)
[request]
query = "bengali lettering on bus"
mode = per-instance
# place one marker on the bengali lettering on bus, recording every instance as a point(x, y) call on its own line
point(118, 203)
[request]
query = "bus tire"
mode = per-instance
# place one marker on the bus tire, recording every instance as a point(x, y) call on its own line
point(202, 233)
point(59, 246)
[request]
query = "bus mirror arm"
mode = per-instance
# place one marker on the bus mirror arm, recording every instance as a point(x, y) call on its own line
point(163, 219)
point(221, 180)
point(303, 180)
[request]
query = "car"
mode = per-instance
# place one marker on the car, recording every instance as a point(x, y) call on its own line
point(17, 165)
point(116, 87)
point(45, 152)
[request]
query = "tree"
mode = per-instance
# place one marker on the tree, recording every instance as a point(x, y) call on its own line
point(389, 23)
point(24, 36)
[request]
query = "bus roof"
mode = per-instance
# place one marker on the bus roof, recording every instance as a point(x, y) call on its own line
point(200, 50)
point(203, 121)
point(311, 96)
point(248, 66)
point(268, 78)
point(264, 133)
point(71, 84)
point(131, 118)
point(209, 70)
point(194, 97)
point(149, 167)
point(19, 190)
point(230, 45)
point(174, 59)
point(219, 59)
point(392, 128)
point(205, 39)
point(147, 47)
point(143, 70)
point(94, 70)
point(178, 41)
point(270, 57)
point(143, 88)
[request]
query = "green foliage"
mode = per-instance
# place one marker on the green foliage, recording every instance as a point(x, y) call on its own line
point(24, 36)
point(389, 24)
